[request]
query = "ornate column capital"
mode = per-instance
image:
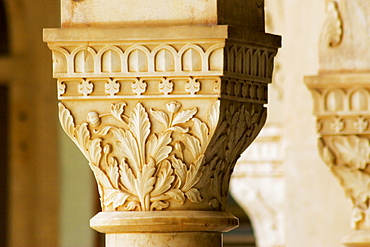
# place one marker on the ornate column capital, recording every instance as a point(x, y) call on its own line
point(342, 111)
point(162, 114)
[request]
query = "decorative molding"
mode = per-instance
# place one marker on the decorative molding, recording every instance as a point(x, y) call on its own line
point(148, 59)
point(333, 27)
point(170, 87)
point(341, 109)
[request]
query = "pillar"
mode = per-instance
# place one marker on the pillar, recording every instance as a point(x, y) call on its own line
point(162, 98)
point(257, 184)
point(341, 94)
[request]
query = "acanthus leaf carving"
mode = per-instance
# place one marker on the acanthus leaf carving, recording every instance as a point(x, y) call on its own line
point(348, 158)
point(149, 175)
point(332, 31)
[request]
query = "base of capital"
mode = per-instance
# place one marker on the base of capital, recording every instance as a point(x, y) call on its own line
point(163, 221)
point(164, 239)
point(359, 238)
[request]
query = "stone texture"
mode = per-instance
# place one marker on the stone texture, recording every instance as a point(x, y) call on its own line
point(122, 13)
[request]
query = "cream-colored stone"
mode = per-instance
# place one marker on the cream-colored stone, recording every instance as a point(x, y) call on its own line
point(258, 186)
point(123, 13)
point(341, 108)
point(166, 239)
point(341, 96)
point(172, 130)
point(162, 119)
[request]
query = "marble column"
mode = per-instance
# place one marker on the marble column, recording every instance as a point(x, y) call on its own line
point(341, 94)
point(162, 98)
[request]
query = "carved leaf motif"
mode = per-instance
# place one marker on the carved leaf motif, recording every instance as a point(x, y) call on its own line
point(110, 195)
point(144, 184)
point(193, 147)
point(117, 110)
point(164, 179)
point(82, 135)
point(128, 146)
point(140, 128)
point(177, 195)
point(353, 151)
point(132, 206)
point(357, 186)
point(66, 120)
point(116, 197)
point(183, 116)
point(148, 177)
point(113, 172)
point(212, 116)
point(161, 117)
point(159, 205)
point(158, 148)
point(201, 132)
point(194, 195)
point(127, 178)
point(180, 170)
point(94, 148)
point(325, 153)
point(194, 174)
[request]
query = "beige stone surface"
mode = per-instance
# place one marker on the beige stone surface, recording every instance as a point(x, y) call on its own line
point(315, 208)
point(167, 239)
point(341, 94)
point(345, 37)
point(258, 186)
point(124, 13)
point(164, 221)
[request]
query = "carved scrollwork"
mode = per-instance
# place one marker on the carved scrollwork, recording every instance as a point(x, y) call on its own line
point(349, 159)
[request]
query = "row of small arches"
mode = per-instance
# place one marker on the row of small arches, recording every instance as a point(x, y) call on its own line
point(249, 61)
point(137, 58)
point(354, 100)
point(243, 89)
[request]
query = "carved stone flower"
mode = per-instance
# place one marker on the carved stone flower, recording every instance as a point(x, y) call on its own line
point(173, 106)
point(93, 118)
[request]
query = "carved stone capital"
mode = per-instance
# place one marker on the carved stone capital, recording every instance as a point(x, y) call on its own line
point(342, 110)
point(162, 114)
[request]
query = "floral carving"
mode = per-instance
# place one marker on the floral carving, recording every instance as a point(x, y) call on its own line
point(112, 87)
point(192, 86)
point(86, 87)
point(141, 170)
point(166, 86)
point(348, 158)
point(139, 86)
